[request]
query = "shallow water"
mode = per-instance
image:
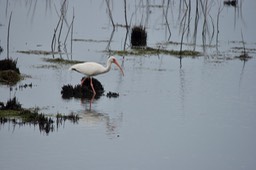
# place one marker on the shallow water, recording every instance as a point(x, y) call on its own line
point(198, 116)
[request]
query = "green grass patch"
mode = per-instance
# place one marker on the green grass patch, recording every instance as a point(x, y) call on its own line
point(37, 52)
point(154, 51)
point(61, 61)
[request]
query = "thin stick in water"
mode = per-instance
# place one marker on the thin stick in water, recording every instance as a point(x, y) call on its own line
point(8, 35)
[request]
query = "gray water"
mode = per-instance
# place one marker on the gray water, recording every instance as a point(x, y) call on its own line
point(195, 114)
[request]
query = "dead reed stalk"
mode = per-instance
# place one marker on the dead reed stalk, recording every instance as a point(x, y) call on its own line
point(110, 13)
point(8, 35)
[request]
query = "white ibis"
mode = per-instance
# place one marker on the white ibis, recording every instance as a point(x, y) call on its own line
point(92, 69)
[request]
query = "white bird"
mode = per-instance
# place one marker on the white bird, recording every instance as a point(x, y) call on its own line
point(92, 69)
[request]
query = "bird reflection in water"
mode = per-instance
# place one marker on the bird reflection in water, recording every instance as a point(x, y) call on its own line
point(111, 121)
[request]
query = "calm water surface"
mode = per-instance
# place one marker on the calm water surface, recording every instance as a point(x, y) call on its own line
point(198, 116)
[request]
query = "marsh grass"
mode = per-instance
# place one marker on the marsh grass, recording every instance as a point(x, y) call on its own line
point(12, 112)
point(61, 61)
point(9, 72)
point(37, 52)
point(154, 51)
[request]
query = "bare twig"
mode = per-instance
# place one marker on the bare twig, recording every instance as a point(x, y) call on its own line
point(71, 38)
point(126, 24)
point(196, 25)
point(8, 35)
point(54, 38)
point(69, 28)
point(125, 16)
point(166, 20)
point(110, 14)
point(217, 24)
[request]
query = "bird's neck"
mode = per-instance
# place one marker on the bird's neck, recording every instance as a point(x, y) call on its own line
point(108, 66)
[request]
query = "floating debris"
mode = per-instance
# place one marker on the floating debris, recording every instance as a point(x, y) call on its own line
point(84, 91)
point(112, 94)
point(24, 86)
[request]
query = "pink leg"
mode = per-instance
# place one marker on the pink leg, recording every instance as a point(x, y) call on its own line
point(82, 82)
point(92, 87)
point(94, 93)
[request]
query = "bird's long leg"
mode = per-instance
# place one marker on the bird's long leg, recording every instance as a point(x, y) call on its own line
point(94, 93)
point(82, 81)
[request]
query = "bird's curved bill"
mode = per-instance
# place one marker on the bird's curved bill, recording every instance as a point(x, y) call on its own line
point(119, 67)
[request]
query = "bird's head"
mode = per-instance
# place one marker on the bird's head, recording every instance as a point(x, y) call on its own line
point(112, 59)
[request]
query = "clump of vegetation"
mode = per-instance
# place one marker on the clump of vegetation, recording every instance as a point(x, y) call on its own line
point(9, 77)
point(12, 112)
point(83, 91)
point(9, 64)
point(11, 104)
point(9, 72)
point(230, 3)
point(138, 36)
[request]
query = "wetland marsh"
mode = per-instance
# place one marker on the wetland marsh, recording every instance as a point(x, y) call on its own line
point(171, 111)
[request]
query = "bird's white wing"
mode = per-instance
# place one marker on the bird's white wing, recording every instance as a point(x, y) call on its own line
point(89, 68)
